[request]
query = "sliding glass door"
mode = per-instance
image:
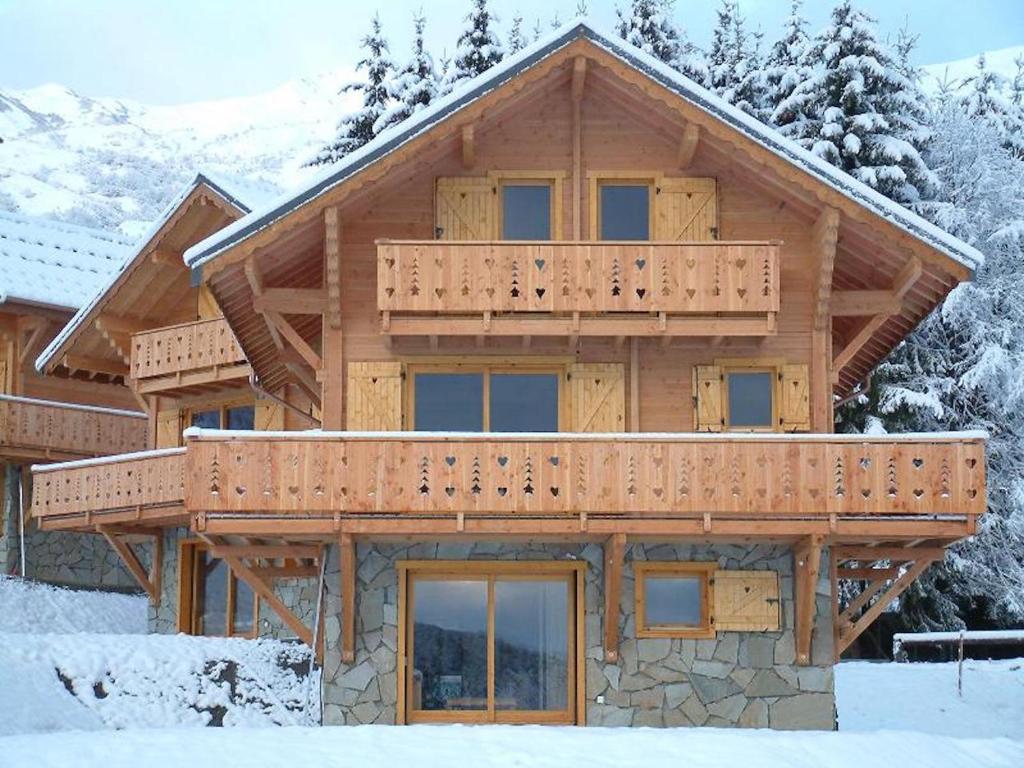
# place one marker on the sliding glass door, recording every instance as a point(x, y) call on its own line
point(489, 645)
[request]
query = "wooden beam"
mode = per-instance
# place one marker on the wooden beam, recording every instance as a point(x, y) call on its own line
point(468, 147)
point(806, 569)
point(895, 554)
point(865, 303)
point(33, 338)
point(906, 277)
point(294, 338)
point(267, 594)
point(853, 346)
point(266, 551)
point(306, 381)
point(634, 384)
point(254, 276)
point(614, 553)
point(688, 145)
point(95, 364)
point(825, 237)
point(270, 573)
point(132, 563)
point(347, 574)
point(332, 265)
point(164, 256)
point(579, 76)
point(293, 301)
point(120, 325)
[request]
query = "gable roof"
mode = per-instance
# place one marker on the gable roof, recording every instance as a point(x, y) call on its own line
point(53, 264)
point(242, 195)
point(674, 81)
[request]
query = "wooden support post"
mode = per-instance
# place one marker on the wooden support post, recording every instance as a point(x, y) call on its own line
point(332, 372)
point(634, 384)
point(156, 565)
point(132, 563)
point(688, 145)
point(579, 74)
point(332, 266)
point(806, 568)
point(614, 552)
point(347, 554)
point(468, 147)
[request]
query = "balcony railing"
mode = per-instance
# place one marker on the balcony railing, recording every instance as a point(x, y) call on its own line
point(32, 429)
point(593, 284)
point(180, 356)
point(750, 477)
point(131, 487)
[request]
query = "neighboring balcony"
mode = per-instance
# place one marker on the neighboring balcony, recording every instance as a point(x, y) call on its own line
point(187, 359)
point(434, 288)
point(145, 487)
point(46, 430)
point(916, 486)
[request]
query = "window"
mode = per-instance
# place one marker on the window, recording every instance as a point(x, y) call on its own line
point(673, 599)
point(526, 210)
point(750, 397)
point(624, 210)
point(486, 399)
point(225, 417)
point(213, 602)
point(490, 641)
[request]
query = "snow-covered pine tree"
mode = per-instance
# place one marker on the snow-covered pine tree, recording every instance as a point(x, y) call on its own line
point(516, 39)
point(478, 48)
point(987, 96)
point(750, 91)
point(722, 52)
point(648, 25)
point(963, 368)
point(856, 100)
point(357, 129)
point(415, 86)
point(784, 70)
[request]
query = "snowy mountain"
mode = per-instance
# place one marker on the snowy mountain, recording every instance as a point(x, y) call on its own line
point(110, 163)
point(1002, 61)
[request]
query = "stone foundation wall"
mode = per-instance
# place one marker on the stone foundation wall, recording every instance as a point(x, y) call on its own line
point(60, 557)
point(736, 679)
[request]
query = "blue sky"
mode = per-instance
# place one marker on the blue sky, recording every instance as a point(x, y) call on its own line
point(172, 51)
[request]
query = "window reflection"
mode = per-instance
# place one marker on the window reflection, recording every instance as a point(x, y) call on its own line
point(750, 399)
point(672, 601)
point(526, 212)
point(625, 212)
point(449, 402)
point(524, 402)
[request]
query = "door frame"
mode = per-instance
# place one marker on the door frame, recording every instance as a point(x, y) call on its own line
point(575, 573)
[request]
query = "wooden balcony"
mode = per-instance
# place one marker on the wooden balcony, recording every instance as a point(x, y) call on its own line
point(578, 288)
point(187, 358)
point(41, 430)
point(849, 487)
point(145, 487)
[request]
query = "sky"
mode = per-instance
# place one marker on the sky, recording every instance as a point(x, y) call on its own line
point(171, 51)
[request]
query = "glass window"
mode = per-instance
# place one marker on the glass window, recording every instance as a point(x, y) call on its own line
point(220, 605)
point(213, 614)
point(526, 212)
point(449, 645)
point(449, 402)
point(672, 599)
point(524, 402)
point(750, 398)
point(242, 417)
point(206, 419)
point(243, 621)
point(625, 211)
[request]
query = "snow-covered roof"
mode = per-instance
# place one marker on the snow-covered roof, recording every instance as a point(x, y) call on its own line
point(54, 264)
point(242, 194)
point(684, 87)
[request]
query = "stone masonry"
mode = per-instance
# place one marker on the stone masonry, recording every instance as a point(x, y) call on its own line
point(738, 679)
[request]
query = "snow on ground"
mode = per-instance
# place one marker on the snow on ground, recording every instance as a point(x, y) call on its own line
point(148, 681)
point(428, 746)
point(28, 606)
point(922, 697)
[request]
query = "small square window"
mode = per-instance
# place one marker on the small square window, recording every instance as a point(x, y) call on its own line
point(206, 419)
point(625, 211)
point(241, 417)
point(750, 399)
point(673, 599)
point(526, 212)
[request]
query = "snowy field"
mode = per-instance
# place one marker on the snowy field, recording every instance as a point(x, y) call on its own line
point(27, 606)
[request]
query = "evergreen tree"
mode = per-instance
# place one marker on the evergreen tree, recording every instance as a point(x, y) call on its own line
point(785, 69)
point(648, 25)
point(984, 97)
point(722, 55)
point(516, 39)
point(857, 104)
point(357, 129)
point(913, 123)
point(478, 47)
point(415, 86)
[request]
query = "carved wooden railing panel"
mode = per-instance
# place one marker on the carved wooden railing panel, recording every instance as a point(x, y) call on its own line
point(40, 427)
point(673, 476)
point(150, 479)
point(590, 277)
point(184, 347)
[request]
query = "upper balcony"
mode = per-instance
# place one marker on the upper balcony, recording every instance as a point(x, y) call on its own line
point(503, 288)
point(41, 430)
point(187, 358)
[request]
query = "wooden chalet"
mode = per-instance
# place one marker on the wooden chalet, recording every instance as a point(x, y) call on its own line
point(571, 338)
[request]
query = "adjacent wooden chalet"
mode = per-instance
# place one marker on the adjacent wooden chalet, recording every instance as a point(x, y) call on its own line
point(572, 337)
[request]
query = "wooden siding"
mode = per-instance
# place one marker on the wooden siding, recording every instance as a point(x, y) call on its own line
point(411, 474)
point(38, 429)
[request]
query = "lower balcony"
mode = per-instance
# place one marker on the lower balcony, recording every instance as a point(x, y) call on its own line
point(46, 430)
point(850, 488)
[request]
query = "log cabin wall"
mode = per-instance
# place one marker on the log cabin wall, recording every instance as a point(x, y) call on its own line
point(539, 137)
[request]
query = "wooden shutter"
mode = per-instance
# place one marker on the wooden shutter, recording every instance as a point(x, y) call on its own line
point(794, 393)
point(597, 394)
point(374, 397)
point(746, 601)
point(707, 396)
point(168, 428)
point(208, 309)
point(686, 209)
point(269, 416)
point(465, 208)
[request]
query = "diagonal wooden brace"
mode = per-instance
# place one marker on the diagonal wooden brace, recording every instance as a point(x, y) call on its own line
point(151, 581)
